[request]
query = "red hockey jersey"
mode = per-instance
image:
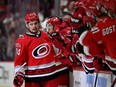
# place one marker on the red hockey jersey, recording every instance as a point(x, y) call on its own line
point(101, 38)
point(37, 51)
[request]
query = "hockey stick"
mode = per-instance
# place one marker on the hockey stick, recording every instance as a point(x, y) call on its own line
point(114, 82)
point(22, 66)
point(96, 78)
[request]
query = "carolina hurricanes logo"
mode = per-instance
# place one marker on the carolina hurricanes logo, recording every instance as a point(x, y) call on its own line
point(41, 51)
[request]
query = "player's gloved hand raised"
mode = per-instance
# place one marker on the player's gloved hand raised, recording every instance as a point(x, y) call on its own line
point(18, 79)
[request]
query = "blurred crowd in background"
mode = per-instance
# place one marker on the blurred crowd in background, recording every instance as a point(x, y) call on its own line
point(12, 19)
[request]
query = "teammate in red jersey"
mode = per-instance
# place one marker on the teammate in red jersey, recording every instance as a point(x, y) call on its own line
point(35, 60)
point(60, 33)
point(101, 37)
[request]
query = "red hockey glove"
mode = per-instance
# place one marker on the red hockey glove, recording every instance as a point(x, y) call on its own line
point(18, 79)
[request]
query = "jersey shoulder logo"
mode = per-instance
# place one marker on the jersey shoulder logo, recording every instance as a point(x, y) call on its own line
point(41, 51)
point(18, 48)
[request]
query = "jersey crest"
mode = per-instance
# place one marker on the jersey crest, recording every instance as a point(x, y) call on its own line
point(41, 51)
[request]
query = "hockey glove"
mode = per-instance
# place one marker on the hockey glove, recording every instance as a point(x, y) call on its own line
point(18, 79)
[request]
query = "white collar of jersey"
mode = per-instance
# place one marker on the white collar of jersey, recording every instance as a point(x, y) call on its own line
point(35, 35)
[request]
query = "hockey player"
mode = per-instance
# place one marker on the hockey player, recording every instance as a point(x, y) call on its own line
point(100, 39)
point(60, 33)
point(80, 22)
point(35, 61)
